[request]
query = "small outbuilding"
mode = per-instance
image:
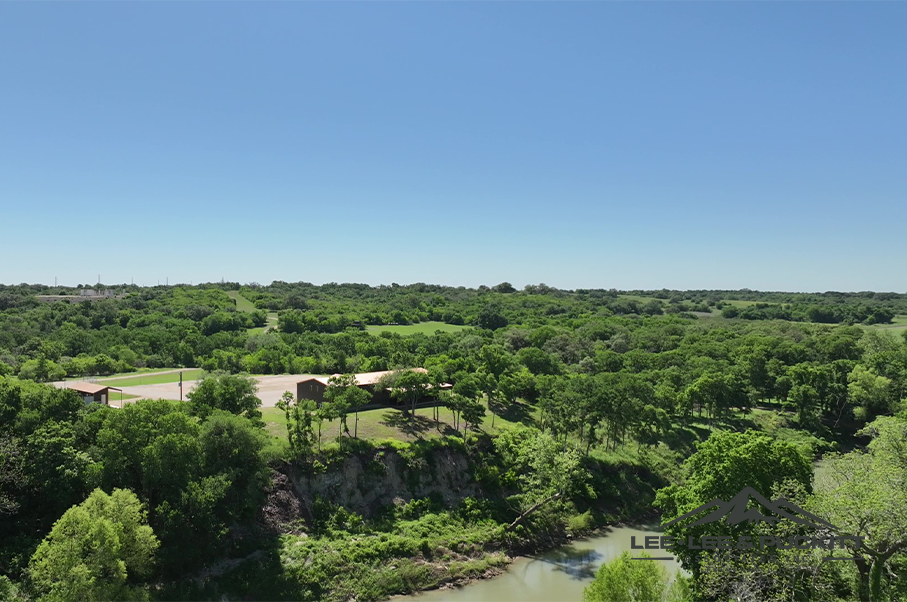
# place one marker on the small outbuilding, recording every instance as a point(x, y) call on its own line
point(93, 392)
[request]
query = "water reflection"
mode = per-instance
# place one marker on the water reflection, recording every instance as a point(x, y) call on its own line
point(558, 575)
point(578, 564)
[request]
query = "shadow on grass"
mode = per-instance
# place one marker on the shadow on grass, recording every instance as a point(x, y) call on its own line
point(684, 437)
point(738, 423)
point(515, 412)
point(415, 426)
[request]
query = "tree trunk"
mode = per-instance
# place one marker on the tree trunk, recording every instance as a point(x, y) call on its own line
point(875, 579)
point(534, 507)
point(356, 426)
point(863, 581)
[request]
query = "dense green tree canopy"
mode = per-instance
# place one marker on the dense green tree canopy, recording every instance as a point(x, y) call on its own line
point(96, 550)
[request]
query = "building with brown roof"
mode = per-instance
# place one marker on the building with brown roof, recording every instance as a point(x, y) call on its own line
point(314, 388)
point(92, 392)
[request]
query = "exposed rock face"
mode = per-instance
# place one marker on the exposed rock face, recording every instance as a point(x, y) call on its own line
point(282, 508)
point(364, 483)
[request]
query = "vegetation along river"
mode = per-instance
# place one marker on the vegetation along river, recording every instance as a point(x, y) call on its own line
point(555, 575)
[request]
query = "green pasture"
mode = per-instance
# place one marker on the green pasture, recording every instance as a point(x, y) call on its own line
point(242, 304)
point(153, 379)
point(898, 324)
point(389, 423)
point(270, 325)
point(428, 328)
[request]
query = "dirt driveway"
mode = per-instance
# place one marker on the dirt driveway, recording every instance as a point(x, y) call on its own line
point(270, 388)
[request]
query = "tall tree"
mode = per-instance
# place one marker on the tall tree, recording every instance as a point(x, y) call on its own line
point(234, 393)
point(544, 472)
point(409, 387)
point(98, 550)
point(723, 466)
point(865, 494)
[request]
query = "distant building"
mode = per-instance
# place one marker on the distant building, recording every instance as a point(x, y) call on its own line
point(92, 392)
point(314, 388)
point(85, 294)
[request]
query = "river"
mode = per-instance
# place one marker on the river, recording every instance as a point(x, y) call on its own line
point(558, 575)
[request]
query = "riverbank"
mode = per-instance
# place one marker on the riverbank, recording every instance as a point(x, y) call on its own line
point(388, 518)
point(561, 573)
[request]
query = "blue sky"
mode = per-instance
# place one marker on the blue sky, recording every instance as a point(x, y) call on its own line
point(626, 145)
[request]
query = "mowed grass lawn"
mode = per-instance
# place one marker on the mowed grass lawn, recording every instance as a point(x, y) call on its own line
point(898, 324)
point(389, 423)
point(132, 373)
point(270, 325)
point(154, 379)
point(116, 399)
point(242, 304)
point(420, 328)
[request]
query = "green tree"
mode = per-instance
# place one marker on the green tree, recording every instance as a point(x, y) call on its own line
point(234, 393)
point(869, 391)
point(472, 412)
point(543, 470)
point(491, 317)
point(98, 550)
point(806, 400)
point(344, 394)
point(724, 465)
point(495, 363)
point(409, 387)
point(623, 580)
point(41, 370)
point(865, 494)
point(299, 414)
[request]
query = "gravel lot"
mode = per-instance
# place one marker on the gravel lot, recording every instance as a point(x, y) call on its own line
point(270, 388)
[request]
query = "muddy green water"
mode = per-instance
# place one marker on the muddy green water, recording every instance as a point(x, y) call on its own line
point(559, 575)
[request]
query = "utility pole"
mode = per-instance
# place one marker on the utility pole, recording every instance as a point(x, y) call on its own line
point(181, 386)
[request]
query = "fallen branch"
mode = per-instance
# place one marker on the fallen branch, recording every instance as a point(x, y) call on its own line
point(535, 507)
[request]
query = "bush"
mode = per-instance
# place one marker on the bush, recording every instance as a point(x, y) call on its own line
point(580, 523)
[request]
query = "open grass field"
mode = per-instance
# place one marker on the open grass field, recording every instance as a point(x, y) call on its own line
point(117, 399)
point(420, 328)
point(733, 302)
point(389, 423)
point(898, 325)
point(152, 378)
point(242, 304)
point(638, 298)
point(135, 372)
point(741, 304)
point(271, 324)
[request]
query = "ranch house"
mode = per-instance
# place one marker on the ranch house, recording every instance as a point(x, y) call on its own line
point(313, 388)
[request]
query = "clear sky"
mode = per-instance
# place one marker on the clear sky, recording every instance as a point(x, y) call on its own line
point(626, 145)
